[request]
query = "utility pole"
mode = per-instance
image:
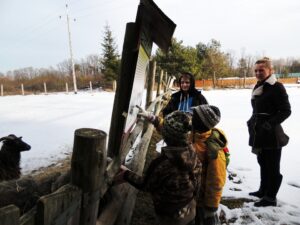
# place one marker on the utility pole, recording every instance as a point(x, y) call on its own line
point(71, 53)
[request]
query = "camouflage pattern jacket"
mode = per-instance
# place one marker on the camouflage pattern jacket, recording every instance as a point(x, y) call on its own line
point(172, 179)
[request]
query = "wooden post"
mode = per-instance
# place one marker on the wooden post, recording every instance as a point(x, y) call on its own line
point(165, 81)
point(67, 88)
point(9, 215)
point(159, 83)
point(45, 88)
point(123, 92)
point(91, 86)
point(150, 82)
point(88, 165)
point(1, 89)
point(114, 85)
point(214, 79)
point(244, 83)
point(22, 89)
point(171, 81)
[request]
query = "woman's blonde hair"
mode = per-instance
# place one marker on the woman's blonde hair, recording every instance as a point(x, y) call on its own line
point(265, 60)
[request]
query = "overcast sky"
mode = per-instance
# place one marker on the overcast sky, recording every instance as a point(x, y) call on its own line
point(32, 33)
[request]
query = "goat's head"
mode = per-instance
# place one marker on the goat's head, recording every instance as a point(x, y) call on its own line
point(15, 142)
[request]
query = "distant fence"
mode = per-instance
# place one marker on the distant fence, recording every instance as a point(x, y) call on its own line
point(237, 82)
point(26, 88)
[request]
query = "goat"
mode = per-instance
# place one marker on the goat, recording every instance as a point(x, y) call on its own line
point(10, 155)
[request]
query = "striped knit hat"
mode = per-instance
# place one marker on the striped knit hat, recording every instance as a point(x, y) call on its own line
point(208, 114)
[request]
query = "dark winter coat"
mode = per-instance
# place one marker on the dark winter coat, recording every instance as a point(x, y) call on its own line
point(193, 97)
point(271, 107)
point(172, 179)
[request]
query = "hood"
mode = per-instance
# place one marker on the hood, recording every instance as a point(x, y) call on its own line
point(217, 139)
point(214, 140)
point(182, 157)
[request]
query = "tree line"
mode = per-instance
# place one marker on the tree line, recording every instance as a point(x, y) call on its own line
point(205, 60)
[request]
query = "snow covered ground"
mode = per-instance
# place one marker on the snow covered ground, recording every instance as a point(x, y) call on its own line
point(48, 122)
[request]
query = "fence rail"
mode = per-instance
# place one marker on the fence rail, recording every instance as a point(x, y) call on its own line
point(237, 82)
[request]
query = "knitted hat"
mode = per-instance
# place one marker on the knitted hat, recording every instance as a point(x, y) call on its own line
point(209, 115)
point(176, 127)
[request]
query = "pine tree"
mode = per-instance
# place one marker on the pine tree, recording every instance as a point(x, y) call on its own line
point(110, 57)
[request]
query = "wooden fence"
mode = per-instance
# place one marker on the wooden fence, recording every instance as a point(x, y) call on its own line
point(84, 195)
point(237, 82)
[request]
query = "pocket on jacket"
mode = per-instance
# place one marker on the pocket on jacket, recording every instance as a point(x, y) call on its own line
point(282, 138)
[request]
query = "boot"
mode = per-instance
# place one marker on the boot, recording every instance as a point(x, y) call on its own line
point(265, 201)
point(257, 194)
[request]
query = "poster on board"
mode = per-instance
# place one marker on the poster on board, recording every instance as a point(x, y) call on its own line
point(137, 88)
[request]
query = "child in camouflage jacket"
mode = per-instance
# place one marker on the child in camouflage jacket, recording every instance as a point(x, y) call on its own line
point(173, 177)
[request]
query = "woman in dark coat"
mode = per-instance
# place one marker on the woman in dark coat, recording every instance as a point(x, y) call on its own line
point(271, 107)
point(187, 97)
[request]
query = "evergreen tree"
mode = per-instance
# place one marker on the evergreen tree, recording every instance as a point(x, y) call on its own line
point(178, 59)
point(110, 58)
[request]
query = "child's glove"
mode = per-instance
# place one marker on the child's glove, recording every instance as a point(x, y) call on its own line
point(146, 114)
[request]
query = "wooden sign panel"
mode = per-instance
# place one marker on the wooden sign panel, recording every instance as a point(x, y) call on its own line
point(151, 25)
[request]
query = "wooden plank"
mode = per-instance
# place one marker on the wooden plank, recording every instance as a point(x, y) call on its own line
point(124, 88)
point(29, 217)
point(9, 215)
point(110, 213)
point(60, 208)
point(159, 81)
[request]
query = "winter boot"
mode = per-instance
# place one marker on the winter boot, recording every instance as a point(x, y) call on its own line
point(257, 194)
point(266, 201)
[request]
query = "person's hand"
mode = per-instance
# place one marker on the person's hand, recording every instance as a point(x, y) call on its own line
point(146, 114)
point(266, 125)
point(119, 177)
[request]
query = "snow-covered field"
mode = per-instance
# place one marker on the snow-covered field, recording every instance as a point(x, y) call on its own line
point(48, 122)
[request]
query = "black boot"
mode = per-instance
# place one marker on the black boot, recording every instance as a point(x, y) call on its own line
point(257, 194)
point(265, 201)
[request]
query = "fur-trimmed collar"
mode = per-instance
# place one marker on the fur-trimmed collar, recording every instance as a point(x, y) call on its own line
point(259, 90)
